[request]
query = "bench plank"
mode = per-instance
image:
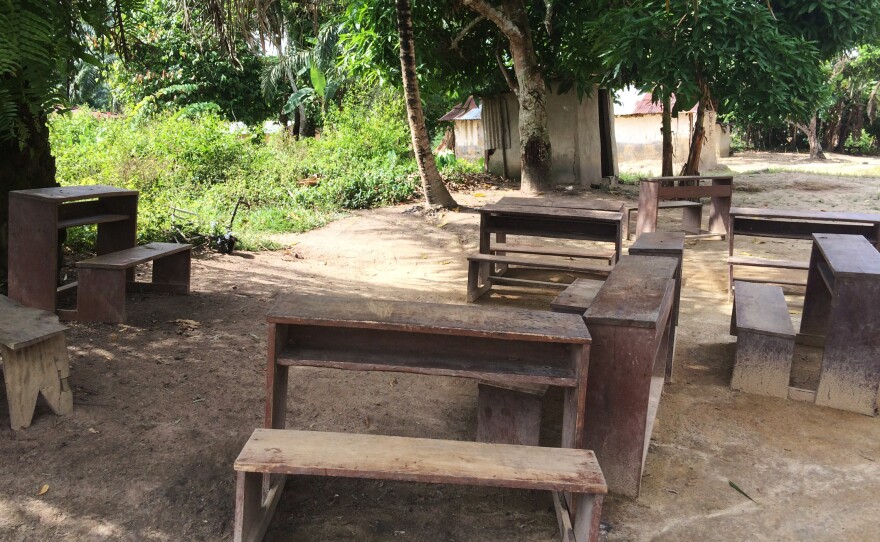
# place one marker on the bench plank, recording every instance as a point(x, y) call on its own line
point(796, 214)
point(131, 257)
point(659, 242)
point(761, 308)
point(434, 318)
point(578, 297)
point(421, 460)
point(21, 327)
point(533, 211)
point(849, 254)
point(60, 194)
point(571, 203)
point(765, 262)
point(554, 251)
point(541, 264)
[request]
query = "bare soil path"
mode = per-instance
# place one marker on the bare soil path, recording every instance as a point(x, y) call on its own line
point(164, 404)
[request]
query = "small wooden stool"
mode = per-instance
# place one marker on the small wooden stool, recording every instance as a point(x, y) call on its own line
point(35, 362)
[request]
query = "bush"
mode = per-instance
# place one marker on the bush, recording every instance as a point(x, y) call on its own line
point(193, 161)
point(865, 145)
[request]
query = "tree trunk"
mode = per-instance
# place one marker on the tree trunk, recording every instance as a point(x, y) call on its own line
point(666, 130)
point(432, 184)
point(534, 135)
point(692, 165)
point(21, 167)
point(813, 138)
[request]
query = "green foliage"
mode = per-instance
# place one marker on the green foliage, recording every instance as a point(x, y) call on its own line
point(362, 159)
point(864, 145)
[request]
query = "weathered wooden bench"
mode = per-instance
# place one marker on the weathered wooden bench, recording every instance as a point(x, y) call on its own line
point(103, 279)
point(652, 192)
point(35, 362)
point(482, 271)
point(765, 340)
point(691, 218)
point(790, 224)
point(288, 452)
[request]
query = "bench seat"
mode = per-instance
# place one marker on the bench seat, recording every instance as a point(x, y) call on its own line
point(103, 279)
point(481, 271)
point(766, 262)
point(765, 340)
point(377, 457)
point(607, 255)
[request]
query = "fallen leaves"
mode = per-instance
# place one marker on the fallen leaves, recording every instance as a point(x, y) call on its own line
point(43, 490)
point(185, 325)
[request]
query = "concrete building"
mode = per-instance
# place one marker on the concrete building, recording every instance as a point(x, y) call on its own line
point(581, 135)
point(637, 125)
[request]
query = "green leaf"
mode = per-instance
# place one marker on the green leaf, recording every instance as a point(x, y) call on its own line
point(319, 82)
point(296, 99)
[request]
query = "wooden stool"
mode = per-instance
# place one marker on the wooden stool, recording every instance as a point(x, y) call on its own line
point(35, 362)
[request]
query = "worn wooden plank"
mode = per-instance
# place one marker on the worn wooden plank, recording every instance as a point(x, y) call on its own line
point(421, 460)
point(636, 292)
point(508, 416)
point(798, 229)
point(568, 203)
point(130, 257)
point(681, 178)
point(578, 297)
point(542, 263)
point(552, 212)
point(763, 363)
point(41, 368)
point(23, 326)
point(553, 251)
point(91, 219)
point(669, 192)
point(765, 262)
point(659, 242)
point(60, 194)
point(435, 318)
point(761, 308)
point(798, 214)
point(848, 254)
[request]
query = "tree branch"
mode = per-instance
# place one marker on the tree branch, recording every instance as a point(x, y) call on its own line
point(493, 14)
point(465, 30)
point(510, 82)
point(548, 17)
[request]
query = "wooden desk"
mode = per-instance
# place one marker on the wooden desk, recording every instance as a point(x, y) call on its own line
point(35, 216)
point(842, 305)
point(483, 343)
point(567, 203)
point(792, 224)
point(651, 192)
point(630, 322)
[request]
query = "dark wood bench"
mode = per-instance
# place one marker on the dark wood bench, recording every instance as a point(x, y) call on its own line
point(790, 224)
point(652, 192)
point(35, 362)
point(630, 322)
point(483, 271)
point(288, 452)
point(103, 279)
point(765, 340)
point(691, 218)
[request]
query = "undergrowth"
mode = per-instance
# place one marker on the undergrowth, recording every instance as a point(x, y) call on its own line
point(362, 159)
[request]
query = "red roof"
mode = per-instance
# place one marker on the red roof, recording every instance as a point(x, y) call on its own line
point(645, 106)
point(461, 110)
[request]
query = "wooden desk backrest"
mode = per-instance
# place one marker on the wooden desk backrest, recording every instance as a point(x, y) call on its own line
point(849, 254)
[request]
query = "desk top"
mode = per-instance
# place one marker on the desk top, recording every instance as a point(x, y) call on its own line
point(567, 203)
point(60, 194)
point(689, 178)
point(835, 216)
point(848, 254)
point(552, 212)
point(659, 242)
point(637, 293)
point(432, 318)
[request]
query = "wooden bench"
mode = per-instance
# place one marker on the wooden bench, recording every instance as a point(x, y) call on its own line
point(790, 224)
point(765, 340)
point(288, 452)
point(691, 218)
point(652, 192)
point(483, 273)
point(103, 279)
point(630, 322)
point(35, 362)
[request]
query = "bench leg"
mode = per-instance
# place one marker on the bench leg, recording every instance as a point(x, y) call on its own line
point(39, 369)
point(253, 514)
point(763, 364)
point(173, 272)
point(583, 525)
point(692, 219)
point(478, 280)
point(100, 296)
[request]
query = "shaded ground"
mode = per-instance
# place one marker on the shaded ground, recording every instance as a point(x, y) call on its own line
point(162, 407)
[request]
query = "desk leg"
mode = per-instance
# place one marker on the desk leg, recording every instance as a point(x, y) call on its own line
point(276, 404)
point(575, 405)
point(646, 219)
point(817, 300)
point(33, 252)
point(719, 208)
point(502, 267)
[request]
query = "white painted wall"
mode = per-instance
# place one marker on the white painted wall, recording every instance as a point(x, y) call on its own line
point(468, 139)
point(639, 139)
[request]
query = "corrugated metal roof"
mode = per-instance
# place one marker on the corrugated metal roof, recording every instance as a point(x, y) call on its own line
point(645, 106)
point(467, 110)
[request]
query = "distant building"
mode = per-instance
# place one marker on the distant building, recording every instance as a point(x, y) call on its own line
point(468, 129)
point(637, 122)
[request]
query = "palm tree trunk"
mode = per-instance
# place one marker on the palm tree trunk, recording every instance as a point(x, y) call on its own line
point(432, 184)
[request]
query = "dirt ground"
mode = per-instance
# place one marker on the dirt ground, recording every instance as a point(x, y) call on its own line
point(163, 405)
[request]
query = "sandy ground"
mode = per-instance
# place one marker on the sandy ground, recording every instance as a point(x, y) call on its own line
point(163, 406)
